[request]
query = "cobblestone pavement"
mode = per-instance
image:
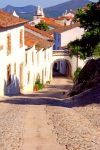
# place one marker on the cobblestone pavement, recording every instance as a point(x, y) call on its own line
point(77, 128)
point(43, 122)
point(24, 126)
point(11, 126)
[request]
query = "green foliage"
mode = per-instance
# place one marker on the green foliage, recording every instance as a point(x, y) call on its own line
point(75, 48)
point(38, 85)
point(76, 73)
point(89, 19)
point(97, 51)
point(42, 26)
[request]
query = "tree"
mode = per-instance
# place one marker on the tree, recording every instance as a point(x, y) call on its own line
point(89, 18)
point(42, 26)
point(75, 47)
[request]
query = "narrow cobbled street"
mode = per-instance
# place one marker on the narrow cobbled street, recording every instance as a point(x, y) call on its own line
point(42, 121)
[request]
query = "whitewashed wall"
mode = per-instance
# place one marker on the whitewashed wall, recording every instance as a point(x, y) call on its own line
point(71, 35)
point(17, 56)
point(44, 64)
point(40, 66)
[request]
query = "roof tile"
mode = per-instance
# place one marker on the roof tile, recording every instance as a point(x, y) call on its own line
point(44, 33)
point(31, 39)
point(8, 20)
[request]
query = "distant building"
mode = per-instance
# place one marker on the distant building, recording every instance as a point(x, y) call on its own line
point(39, 13)
point(63, 34)
point(66, 18)
point(15, 14)
point(70, 13)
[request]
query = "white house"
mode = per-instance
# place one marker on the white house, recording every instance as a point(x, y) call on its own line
point(12, 53)
point(23, 57)
point(64, 35)
point(71, 33)
point(38, 58)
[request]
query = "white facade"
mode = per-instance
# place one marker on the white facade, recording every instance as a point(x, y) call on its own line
point(37, 66)
point(64, 22)
point(15, 58)
point(44, 59)
point(29, 69)
point(29, 64)
point(71, 35)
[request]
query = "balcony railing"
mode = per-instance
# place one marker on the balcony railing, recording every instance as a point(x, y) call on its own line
point(61, 52)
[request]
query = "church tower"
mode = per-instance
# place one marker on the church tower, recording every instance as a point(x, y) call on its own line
point(39, 13)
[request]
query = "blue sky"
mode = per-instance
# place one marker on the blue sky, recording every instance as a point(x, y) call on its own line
point(43, 3)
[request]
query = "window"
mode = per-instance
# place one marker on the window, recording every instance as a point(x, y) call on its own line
point(26, 58)
point(21, 38)
point(8, 74)
point(8, 44)
point(1, 47)
point(15, 68)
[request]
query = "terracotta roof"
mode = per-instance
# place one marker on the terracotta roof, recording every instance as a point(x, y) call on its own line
point(64, 17)
point(60, 28)
point(53, 24)
point(64, 28)
point(8, 20)
point(31, 39)
point(43, 33)
point(43, 43)
point(48, 19)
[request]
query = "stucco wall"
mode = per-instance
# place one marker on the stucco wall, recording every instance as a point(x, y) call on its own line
point(40, 67)
point(71, 35)
point(16, 56)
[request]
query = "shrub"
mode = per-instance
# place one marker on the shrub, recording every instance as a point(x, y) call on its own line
point(42, 26)
point(38, 85)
